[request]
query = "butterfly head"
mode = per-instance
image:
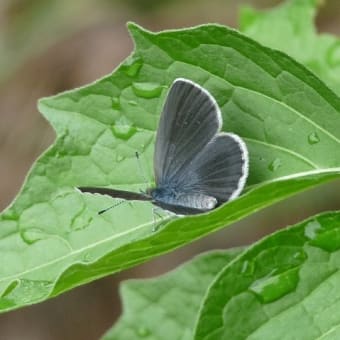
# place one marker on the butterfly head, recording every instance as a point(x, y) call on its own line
point(151, 192)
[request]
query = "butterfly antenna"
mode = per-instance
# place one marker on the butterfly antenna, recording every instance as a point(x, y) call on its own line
point(141, 171)
point(112, 206)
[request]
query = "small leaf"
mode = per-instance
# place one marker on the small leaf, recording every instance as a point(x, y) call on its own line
point(290, 28)
point(166, 307)
point(52, 235)
point(290, 293)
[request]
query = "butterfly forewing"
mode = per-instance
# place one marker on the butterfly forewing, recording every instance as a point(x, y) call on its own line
point(189, 120)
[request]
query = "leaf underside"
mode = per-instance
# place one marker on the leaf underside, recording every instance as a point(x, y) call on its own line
point(52, 239)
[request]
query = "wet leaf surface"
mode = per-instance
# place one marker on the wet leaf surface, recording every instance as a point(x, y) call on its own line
point(52, 236)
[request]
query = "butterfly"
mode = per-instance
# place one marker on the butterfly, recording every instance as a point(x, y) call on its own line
point(197, 167)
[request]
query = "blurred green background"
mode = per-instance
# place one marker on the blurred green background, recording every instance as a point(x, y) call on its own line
point(48, 46)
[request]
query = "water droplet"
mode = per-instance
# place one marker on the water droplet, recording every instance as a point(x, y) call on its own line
point(132, 66)
point(81, 221)
point(300, 256)
point(33, 235)
point(311, 229)
point(25, 291)
point(132, 103)
point(147, 90)
point(275, 164)
point(274, 287)
point(116, 103)
point(10, 215)
point(324, 237)
point(313, 138)
point(123, 128)
point(30, 290)
point(143, 331)
point(247, 268)
point(87, 257)
point(119, 158)
point(10, 288)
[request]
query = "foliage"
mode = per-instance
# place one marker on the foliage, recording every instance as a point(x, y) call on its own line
point(52, 239)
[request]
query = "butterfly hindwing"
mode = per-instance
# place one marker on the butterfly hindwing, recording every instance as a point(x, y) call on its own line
point(219, 170)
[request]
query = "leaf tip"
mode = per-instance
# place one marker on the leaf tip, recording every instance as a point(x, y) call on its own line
point(133, 27)
point(41, 104)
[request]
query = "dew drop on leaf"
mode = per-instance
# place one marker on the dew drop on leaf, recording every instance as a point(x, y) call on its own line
point(247, 268)
point(132, 66)
point(116, 103)
point(311, 229)
point(81, 221)
point(32, 235)
point(132, 103)
point(147, 90)
point(328, 240)
point(275, 164)
point(313, 138)
point(87, 257)
point(143, 332)
point(10, 288)
point(119, 158)
point(32, 290)
point(123, 128)
point(300, 256)
point(274, 287)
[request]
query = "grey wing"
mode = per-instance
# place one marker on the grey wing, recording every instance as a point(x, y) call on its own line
point(190, 119)
point(219, 170)
point(126, 195)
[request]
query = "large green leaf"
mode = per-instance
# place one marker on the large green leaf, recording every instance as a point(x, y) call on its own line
point(166, 307)
point(286, 286)
point(290, 28)
point(52, 239)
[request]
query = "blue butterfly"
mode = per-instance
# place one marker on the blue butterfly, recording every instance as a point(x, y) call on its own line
point(197, 167)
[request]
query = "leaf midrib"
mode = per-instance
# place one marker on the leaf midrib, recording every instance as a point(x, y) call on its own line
point(15, 276)
point(80, 250)
point(275, 146)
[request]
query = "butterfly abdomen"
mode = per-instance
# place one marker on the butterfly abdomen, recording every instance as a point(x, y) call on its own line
point(197, 201)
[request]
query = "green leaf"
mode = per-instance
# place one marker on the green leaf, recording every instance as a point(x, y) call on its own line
point(290, 28)
point(52, 239)
point(166, 307)
point(286, 286)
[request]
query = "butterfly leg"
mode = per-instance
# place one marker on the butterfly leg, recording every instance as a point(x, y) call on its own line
point(156, 212)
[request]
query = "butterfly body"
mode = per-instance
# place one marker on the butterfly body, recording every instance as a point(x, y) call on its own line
point(197, 167)
point(180, 202)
